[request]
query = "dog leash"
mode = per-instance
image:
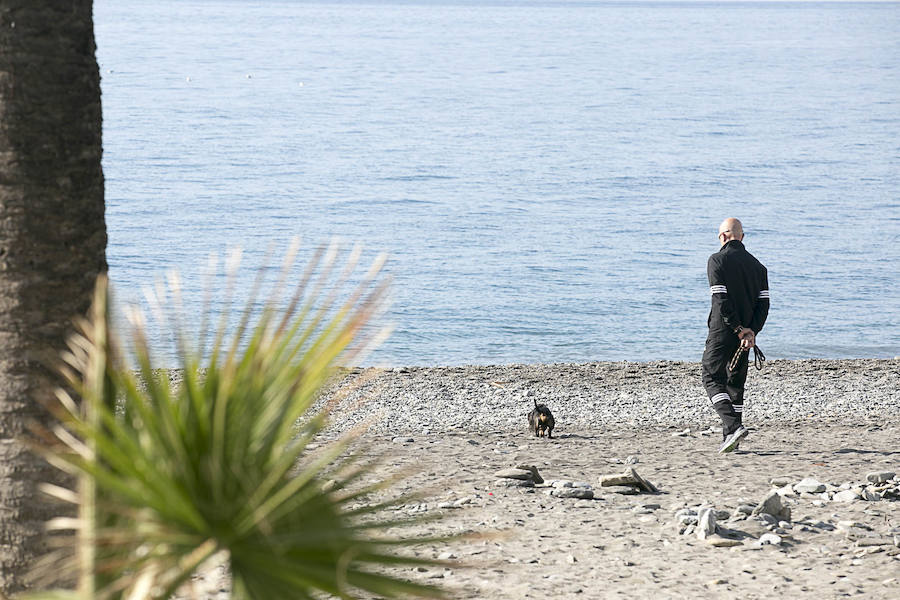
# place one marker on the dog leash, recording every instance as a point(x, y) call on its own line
point(758, 358)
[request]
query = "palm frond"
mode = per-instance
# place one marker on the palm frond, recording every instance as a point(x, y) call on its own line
point(172, 475)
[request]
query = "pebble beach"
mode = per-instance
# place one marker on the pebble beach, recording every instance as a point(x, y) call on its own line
point(612, 395)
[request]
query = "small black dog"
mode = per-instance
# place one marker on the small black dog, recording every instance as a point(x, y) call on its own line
point(540, 420)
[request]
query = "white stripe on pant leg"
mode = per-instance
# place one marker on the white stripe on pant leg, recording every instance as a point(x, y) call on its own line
point(738, 408)
point(720, 398)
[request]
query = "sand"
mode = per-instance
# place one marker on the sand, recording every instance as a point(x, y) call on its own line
point(455, 428)
point(612, 546)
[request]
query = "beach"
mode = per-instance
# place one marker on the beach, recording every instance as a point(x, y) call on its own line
point(823, 438)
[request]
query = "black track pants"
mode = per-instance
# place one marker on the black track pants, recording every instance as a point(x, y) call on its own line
point(724, 386)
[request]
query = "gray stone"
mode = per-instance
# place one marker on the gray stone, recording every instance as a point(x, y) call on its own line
point(643, 483)
point(627, 491)
point(880, 476)
point(773, 504)
point(746, 509)
point(870, 496)
point(572, 492)
point(631, 460)
point(630, 478)
point(535, 474)
point(874, 541)
point(523, 483)
point(809, 486)
point(766, 519)
point(614, 480)
point(781, 481)
point(523, 474)
point(721, 542)
point(686, 519)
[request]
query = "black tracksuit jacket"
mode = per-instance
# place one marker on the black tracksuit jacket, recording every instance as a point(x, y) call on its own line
point(739, 285)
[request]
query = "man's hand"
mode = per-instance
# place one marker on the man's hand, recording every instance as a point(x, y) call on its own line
point(748, 338)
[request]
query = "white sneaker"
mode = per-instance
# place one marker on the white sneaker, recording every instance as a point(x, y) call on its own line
point(733, 440)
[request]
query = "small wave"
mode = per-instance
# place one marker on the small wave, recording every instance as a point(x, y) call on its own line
point(417, 177)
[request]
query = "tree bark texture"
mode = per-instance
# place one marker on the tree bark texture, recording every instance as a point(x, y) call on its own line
point(52, 239)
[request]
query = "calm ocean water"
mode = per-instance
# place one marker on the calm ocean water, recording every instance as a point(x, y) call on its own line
point(548, 177)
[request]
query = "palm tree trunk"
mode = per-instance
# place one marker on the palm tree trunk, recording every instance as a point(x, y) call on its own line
point(52, 238)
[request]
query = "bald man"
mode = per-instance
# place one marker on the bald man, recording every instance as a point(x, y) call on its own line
point(739, 286)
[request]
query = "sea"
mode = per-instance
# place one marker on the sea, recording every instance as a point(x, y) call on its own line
point(547, 177)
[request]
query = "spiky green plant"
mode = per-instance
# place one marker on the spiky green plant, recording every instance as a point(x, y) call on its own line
point(171, 475)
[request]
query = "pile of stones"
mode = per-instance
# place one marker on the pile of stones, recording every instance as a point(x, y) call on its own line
point(563, 488)
point(527, 476)
point(629, 482)
point(878, 485)
point(522, 476)
point(767, 523)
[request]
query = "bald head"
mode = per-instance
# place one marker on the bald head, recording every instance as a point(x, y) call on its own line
point(730, 229)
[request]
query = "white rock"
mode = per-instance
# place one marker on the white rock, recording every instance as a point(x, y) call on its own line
point(770, 538)
point(706, 523)
point(809, 486)
point(845, 496)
